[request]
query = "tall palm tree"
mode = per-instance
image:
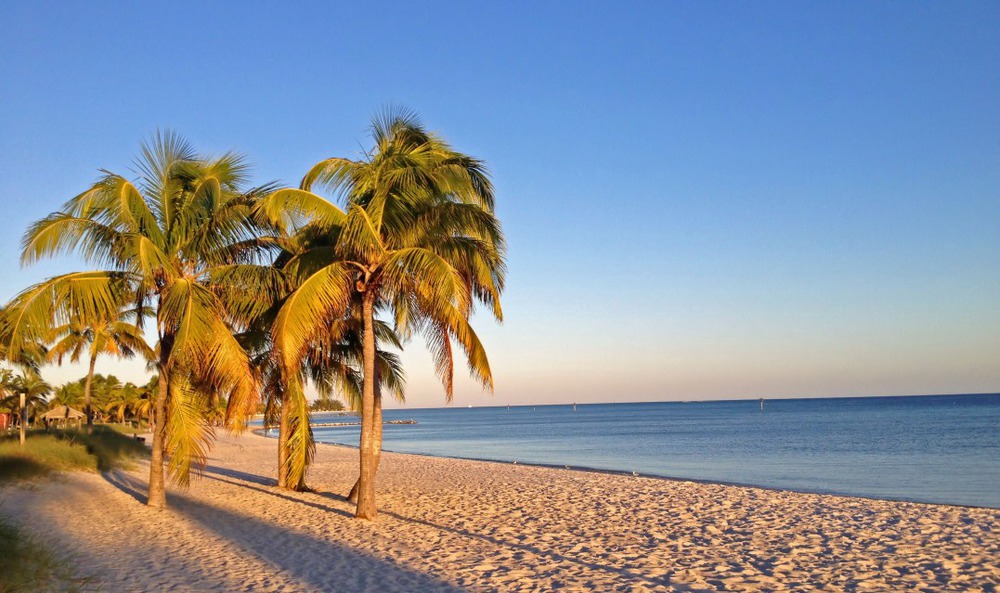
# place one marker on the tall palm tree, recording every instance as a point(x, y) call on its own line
point(115, 338)
point(331, 361)
point(337, 366)
point(177, 239)
point(419, 239)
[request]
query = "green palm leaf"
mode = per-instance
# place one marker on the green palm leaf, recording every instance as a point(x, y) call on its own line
point(323, 296)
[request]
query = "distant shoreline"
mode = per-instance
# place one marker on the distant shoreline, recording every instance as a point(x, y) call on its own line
point(750, 399)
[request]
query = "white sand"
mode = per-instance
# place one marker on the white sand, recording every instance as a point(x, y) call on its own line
point(455, 525)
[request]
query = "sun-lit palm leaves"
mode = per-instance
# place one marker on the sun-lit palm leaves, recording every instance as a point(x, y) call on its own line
point(78, 340)
point(419, 239)
point(159, 241)
point(29, 317)
point(331, 360)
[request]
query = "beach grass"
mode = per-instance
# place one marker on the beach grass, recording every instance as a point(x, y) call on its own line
point(127, 428)
point(28, 566)
point(66, 450)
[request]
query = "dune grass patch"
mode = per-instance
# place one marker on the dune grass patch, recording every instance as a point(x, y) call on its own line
point(66, 450)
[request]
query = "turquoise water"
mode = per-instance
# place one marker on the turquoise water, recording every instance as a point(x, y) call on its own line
point(940, 449)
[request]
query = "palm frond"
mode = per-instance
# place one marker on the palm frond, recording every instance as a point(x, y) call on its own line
point(189, 436)
point(82, 296)
point(290, 208)
point(323, 296)
point(300, 445)
point(61, 233)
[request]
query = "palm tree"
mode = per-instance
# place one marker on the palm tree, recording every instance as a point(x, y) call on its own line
point(331, 362)
point(115, 338)
point(121, 401)
point(68, 394)
point(6, 389)
point(31, 391)
point(336, 366)
point(178, 239)
point(142, 407)
point(419, 239)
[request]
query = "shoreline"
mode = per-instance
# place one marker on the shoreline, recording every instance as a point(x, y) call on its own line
point(748, 399)
point(455, 525)
point(582, 468)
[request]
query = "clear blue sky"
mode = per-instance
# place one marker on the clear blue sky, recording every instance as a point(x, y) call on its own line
point(702, 200)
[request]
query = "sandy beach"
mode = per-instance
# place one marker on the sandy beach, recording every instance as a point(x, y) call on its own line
point(455, 525)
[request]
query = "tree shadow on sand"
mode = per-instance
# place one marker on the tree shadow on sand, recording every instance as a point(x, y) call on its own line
point(312, 562)
point(244, 476)
point(549, 554)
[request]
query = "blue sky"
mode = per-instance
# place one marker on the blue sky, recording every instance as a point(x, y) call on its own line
point(702, 200)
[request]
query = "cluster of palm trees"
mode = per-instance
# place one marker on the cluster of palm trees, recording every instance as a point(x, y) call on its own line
point(111, 401)
point(22, 395)
point(256, 291)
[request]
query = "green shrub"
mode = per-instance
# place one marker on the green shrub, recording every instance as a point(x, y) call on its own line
point(49, 451)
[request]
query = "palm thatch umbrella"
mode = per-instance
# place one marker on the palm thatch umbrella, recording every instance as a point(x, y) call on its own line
point(64, 415)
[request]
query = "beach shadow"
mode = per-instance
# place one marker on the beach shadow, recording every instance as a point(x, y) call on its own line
point(621, 572)
point(128, 484)
point(273, 491)
point(232, 473)
point(334, 567)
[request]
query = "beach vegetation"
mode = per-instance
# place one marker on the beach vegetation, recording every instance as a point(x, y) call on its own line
point(179, 241)
point(101, 449)
point(115, 337)
point(112, 401)
point(417, 241)
point(403, 241)
point(24, 395)
point(326, 403)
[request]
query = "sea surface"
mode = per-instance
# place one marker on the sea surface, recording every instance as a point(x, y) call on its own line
point(938, 449)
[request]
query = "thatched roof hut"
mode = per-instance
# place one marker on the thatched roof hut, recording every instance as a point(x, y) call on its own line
point(64, 414)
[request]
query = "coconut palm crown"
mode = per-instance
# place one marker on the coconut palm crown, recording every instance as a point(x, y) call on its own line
point(331, 361)
point(418, 239)
point(179, 240)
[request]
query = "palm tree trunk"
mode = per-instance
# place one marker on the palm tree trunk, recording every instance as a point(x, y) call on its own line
point(157, 489)
point(366, 508)
point(86, 394)
point(283, 428)
point(353, 495)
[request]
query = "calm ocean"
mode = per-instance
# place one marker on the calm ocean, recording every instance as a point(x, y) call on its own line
point(940, 449)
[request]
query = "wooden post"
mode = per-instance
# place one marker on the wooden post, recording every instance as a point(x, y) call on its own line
point(24, 417)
